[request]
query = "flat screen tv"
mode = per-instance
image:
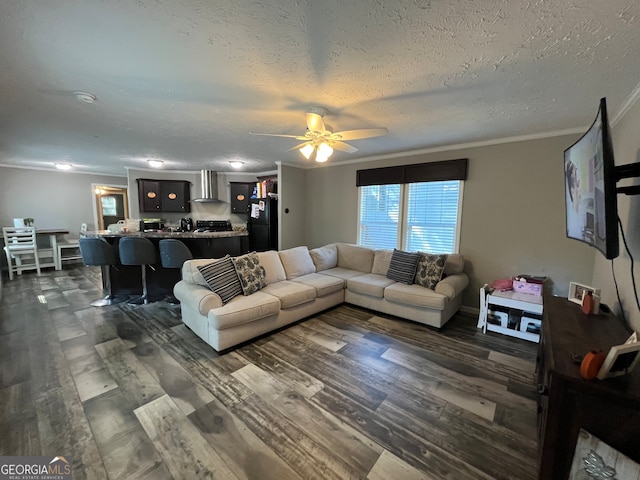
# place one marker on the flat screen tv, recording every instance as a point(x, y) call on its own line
point(590, 187)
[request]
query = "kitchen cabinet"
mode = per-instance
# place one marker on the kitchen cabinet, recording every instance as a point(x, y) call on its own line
point(149, 195)
point(175, 196)
point(164, 195)
point(240, 196)
point(607, 409)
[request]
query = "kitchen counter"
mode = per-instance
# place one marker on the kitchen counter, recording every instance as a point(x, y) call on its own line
point(176, 235)
point(126, 279)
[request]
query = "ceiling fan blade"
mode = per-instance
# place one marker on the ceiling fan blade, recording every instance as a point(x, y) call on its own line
point(315, 123)
point(358, 134)
point(299, 146)
point(343, 147)
point(277, 135)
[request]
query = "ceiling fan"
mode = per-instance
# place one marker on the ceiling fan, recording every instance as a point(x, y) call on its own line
point(320, 142)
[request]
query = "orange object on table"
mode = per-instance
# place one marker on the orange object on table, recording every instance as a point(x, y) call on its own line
point(591, 364)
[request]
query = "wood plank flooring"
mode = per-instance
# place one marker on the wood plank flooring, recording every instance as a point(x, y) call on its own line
point(128, 392)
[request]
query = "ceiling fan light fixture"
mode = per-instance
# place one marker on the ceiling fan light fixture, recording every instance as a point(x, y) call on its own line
point(236, 164)
point(307, 150)
point(323, 153)
point(155, 163)
point(318, 142)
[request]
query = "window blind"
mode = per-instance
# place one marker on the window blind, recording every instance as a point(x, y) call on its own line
point(379, 216)
point(432, 217)
point(426, 214)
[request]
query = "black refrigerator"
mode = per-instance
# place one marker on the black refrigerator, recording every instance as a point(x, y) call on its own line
point(263, 224)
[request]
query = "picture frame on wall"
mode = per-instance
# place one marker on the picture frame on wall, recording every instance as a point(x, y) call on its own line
point(577, 292)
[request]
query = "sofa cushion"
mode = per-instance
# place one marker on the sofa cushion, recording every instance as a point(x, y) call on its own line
point(241, 310)
point(343, 273)
point(190, 272)
point(369, 284)
point(296, 262)
point(355, 257)
point(272, 266)
point(291, 293)
point(430, 268)
point(221, 277)
point(402, 267)
point(251, 273)
point(381, 261)
point(324, 284)
point(324, 257)
point(415, 295)
point(455, 264)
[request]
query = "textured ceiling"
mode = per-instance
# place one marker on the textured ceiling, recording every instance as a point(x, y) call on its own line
point(185, 81)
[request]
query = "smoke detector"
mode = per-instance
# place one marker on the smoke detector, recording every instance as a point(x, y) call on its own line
point(85, 97)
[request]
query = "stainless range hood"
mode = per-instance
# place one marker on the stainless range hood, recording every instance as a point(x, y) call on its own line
point(209, 186)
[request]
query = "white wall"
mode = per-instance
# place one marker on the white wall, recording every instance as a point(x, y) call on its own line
point(53, 199)
point(626, 147)
point(513, 214)
point(293, 205)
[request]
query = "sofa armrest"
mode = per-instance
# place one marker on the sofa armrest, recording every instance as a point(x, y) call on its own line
point(198, 296)
point(453, 285)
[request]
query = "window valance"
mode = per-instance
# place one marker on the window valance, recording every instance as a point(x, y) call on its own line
point(419, 172)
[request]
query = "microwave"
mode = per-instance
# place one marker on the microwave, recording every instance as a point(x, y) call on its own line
point(151, 226)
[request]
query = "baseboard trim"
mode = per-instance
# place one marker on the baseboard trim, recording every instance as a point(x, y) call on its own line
point(470, 310)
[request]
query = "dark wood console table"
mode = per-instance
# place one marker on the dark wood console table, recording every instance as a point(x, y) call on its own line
point(608, 409)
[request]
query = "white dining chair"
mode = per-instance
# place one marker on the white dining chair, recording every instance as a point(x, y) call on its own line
point(72, 246)
point(20, 245)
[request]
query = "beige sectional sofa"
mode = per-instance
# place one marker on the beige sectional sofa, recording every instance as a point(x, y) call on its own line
point(302, 282)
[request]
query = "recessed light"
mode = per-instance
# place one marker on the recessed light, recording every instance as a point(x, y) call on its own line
point(236, 163)
point(155, 163)
point(85, 97)
point(63, 166)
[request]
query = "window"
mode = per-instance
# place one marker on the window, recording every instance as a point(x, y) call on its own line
point(108, 206)
point(421, 216)
point(379, 216)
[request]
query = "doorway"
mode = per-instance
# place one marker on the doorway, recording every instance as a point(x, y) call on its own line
point(112, 205)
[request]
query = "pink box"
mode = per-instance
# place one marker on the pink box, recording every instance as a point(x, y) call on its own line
point(529, 288)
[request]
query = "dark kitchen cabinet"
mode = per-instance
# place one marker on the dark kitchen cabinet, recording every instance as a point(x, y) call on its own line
point(240, 196)
point(175, 196)
point(164, 195)
point(149, 195)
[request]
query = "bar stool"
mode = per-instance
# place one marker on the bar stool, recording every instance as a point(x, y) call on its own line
point(173, 253)
point(97, 252)
point(138, 251)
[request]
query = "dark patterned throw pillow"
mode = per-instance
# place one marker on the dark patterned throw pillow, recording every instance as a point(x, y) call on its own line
point(402, 267)
point(252, 275)
point(430, 268)
point(222, 278)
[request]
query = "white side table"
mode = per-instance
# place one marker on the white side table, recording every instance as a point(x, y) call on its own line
point(520, 301)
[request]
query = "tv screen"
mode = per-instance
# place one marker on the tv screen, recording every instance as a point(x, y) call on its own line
point(590, 187)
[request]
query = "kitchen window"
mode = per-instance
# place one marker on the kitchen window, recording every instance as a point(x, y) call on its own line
point(413, 216)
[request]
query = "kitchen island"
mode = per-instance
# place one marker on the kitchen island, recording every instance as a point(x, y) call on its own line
point(127, 279)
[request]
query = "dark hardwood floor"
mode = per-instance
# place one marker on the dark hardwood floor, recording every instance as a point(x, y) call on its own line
point(128, 392)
